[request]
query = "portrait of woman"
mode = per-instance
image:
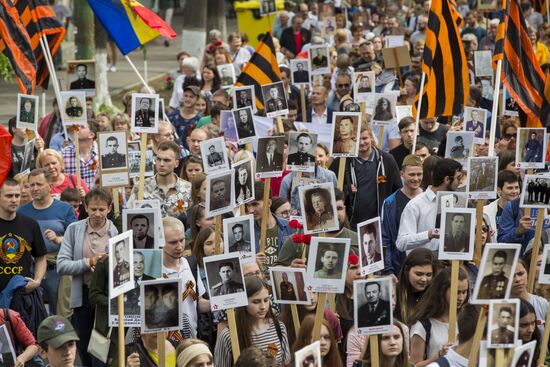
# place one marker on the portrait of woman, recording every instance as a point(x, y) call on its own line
point(320, 215)
point(383, 110)
point(345, 136)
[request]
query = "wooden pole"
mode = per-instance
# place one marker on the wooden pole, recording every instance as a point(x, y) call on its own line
point(479, 223)
point(341, 173)
point(380, 136)
point(536, 249)
point(265, 214)
point(161, 337)
point(319, 315)
point(116, 204)
point(121, 344)
point(233, 333)
point(398, 67)
point(374, 356)
point(303, 103)
point(295, 319)
point(141, 183)
point(545, 337)
point(453, 301)
point(499, 357)
point(218, 235)
point(473, 357)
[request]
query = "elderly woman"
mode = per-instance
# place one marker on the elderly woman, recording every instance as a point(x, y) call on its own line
point(190, 69)
point(239, 54)
point(53, 161)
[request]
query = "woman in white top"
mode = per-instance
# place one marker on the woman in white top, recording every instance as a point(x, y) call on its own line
point(431, 317)
point(239, 54)
point(256, 326)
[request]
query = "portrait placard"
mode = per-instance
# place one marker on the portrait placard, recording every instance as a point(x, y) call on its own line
point(299, 72)
point(363, 85)
point(544, 273)
point(509, 105)
point(482, 63)
point(121, 260)
point(161, 305)
point(225, 279)
point(220, 193)
point(482, 178)
point(73, 108)
point(318, 207)
point(7, 349)
point(239, 236)
point(214, 155)
point(372, 311)
point(134, 159)
point(319, 60)
point(267, 7)
point(403, 111)
point(536, 191)
point(531, 145)
point(384, 108)
point(498, 266)
point(244, 124)
point(244, 182)
point(460, 145)
point(309, 356)
point(346, 127)
point(154, 204)
point(227, 126)
point(302, 149)
point(227, 74)
point(524, 354)
point(275, 100)
point(145, 113)
point(395, 57)
point(270, 157)
point(487, 6)
point(503, 323)
point(475, 120)
point(81, 75)
point(327, 264)
point(144, 223)
point(27, 112)
point(457, 233)
point(289, 285)
point(113, 162)
point(371, 253)
point(244, 97)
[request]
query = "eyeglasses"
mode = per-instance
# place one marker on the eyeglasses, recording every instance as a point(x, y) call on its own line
point(509, 136)
point(342, 85)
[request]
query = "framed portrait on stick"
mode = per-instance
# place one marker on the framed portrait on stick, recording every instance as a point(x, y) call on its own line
point(503, 323)
point(531, 146)
point(121, 260)
point(225, 280)
point(161, 305)
point(27, 112)
point(318, 207)
point(238, 237)
point(145, 113)
point(371, 253)
point(327, 264)
point(81, 76)
point(113, 162)
point(372, 312)
point(289, 285)
point(73, 108)
point(536, 191)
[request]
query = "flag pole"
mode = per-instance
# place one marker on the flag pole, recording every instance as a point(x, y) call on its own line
point(138, 74)
point(494, 112)
point(53, 76)
point(416, 128)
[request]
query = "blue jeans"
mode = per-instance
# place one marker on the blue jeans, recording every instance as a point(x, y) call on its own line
point(51, 287)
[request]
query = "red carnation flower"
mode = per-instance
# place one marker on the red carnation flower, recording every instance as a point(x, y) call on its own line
point(353, 259)
point(306, 239)
point(295, 224)
point(298, 238)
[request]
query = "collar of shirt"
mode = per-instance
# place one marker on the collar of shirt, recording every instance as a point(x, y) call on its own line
point(183, 265)
point(430, 194)
point(153, 185)
point(324, 114)
point(370, 159)
point(100, 232)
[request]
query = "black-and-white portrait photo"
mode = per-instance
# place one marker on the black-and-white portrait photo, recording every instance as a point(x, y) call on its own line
point(363, 84)
point(498, 265)
point(275, 103)
point(7, 350)
point(214, 155)
point(544, 273)
point(270, 155)
point(225, 280)
point(509, 105)
point(268, 7)
point(302, 148)
point(227, 74)
point(536, 191)
point(161, 308)
point(346, 128)
point(145, 113)
point(244, 97)
point(289, 285)
point(524, 354)
point(113, 150)
point(244, 182)
point(220, 193)
point(299, 69)
point(327, 264)
point(384, 108)
point(228, 127)
point(81, 76)
point(474, 120)
point(134, 154)
point(482, 63)
point(121, 272)
point(143, 223)
point(372, 306)
point(318, 207)
point(482, 179)
point(460, 145)
point(238, 236)
point(457, 234)
point(503, 323)
point(370, 246)
point(244, 121)
point(319, 60)
point(73, 108)
point(531, 147)
point(27, 112)
point(309, 356)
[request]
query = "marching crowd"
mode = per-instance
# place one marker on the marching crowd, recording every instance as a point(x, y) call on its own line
point(54, 224)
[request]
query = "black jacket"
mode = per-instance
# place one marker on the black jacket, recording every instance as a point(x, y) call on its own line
point(287, 39)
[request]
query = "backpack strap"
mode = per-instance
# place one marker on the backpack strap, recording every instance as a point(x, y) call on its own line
point(427, 324)
point(443, 362)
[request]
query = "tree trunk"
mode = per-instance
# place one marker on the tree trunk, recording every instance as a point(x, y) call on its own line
point(194, 29)
point(102, 84)
point(216, 16)
point(84, 24)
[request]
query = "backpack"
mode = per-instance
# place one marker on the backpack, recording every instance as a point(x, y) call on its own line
point(18, 348)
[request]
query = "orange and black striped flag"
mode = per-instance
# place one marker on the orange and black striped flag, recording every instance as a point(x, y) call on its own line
point(521, 72)
point(39, 19)
point(261, 69)
point(16, 45)
point(447, 84)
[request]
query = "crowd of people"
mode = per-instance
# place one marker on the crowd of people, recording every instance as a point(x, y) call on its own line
point(55, 222)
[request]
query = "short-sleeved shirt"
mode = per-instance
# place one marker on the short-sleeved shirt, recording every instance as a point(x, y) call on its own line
point(20, 241)
point(439, 335)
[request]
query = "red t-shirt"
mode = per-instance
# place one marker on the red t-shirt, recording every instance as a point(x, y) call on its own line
point(298, 41)
point(70, 182)
point(21, 332)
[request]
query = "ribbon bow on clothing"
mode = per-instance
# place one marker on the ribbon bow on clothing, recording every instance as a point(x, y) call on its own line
point(190, 290)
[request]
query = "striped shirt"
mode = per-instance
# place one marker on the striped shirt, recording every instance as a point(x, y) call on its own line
point(263, 340)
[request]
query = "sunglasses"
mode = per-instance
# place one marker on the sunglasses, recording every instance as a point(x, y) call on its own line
point(509, 136)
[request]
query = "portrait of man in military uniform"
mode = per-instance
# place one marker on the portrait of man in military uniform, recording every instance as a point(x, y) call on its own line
point(243, 98)
point(226, 74)
point(112, 158)
point(26, 113)
point(228, 285)
point(457, 232)
point(82, 80)
point(330, 263)
point(241, 239)
point(145, 115)
point(121, 269)
point(274, 97)
point(303, 146)
point(495, 284)
point(503, 319)
point(73, 108)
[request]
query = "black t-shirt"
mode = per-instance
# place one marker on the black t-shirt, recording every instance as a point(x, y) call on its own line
point(402, 200)
point(399, 153)
point(20, 241)
point(499, 213)
point(432, 138)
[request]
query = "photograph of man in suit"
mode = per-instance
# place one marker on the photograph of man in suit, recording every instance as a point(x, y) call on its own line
point(364, 84)
point(214, 158)
point(320, 60)
point(132, 298)
point(504, 333)
point(244, 98)
point(82, 82)
point(271, 160)
point(371, 248)
point(456, 238)
point(376, 311)
point(275, 102)
point(225, 75)
point(302, 157)
point(219, 195)
point(27, 111)
point(113, 159)
point(121, 271)
point(140, 225)
point(245, 125)
point(532, 149)
point(74, 109)
point(475, 125)
point(243, 191)
point(240, 244)
point(228, 285)
point(300, 75)
point(145, 115)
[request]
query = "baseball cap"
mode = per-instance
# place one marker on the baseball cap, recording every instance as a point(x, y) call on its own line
point(412, 160)
point(56, 331)
point(193, 89)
